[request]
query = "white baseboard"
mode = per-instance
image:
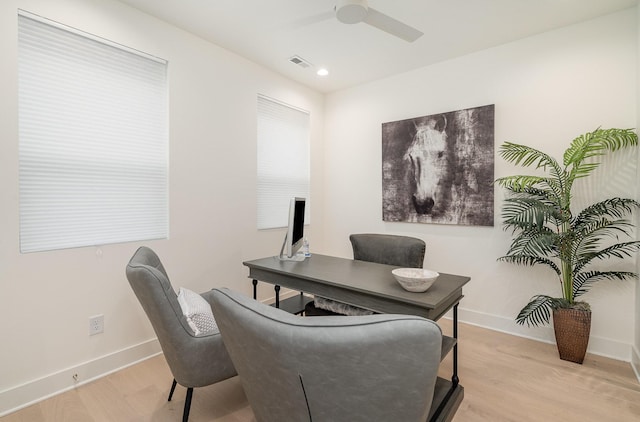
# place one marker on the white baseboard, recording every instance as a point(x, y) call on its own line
point(31, 392)
point(597, 345)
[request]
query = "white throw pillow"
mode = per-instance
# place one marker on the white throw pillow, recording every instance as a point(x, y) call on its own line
point(197, 311)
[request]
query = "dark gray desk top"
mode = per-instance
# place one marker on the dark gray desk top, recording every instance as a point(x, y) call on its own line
point(366, 284)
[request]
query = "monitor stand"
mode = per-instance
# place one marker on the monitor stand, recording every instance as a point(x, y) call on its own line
point(297, 257)
point(282, 257)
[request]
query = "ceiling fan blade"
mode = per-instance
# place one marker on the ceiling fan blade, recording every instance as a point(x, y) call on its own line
point(392, 26)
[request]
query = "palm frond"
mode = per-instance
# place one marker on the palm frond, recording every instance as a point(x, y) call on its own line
point(530, 260)
point(519, 183)
point(552, 187)
point(533, 192)
point(588, 238)
point(581, 148)
point(614, 139)
point(619, 250)
point(613, 207)
point(526, 156)
point(604, 227)
point(538, 310)
point(593, 144)
point(525, 212)
point(535, 241)
point(583, 281)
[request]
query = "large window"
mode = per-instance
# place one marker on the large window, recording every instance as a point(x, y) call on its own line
point(283, 160)
point(93, 139)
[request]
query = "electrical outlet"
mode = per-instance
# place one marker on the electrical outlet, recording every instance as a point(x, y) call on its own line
point(96, 324)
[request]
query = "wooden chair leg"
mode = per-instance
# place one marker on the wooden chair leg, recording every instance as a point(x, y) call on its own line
point(173, 387)
point(187, 405)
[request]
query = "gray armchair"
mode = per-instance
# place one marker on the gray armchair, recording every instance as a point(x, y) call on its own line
point(330, 369)
point(401, 251)
point(195, 361)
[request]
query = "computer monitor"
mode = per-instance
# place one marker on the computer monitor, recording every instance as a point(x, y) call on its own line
point(295, 230)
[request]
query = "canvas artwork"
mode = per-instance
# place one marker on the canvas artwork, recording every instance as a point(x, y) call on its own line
point(439, 168)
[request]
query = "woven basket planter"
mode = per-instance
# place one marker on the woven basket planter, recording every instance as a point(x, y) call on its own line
point(572, 328)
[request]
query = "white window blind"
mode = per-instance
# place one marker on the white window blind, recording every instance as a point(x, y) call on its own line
point(283, 161)
point(93, 139)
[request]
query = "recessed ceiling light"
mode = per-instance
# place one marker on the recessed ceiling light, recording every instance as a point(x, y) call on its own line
point(322, 72)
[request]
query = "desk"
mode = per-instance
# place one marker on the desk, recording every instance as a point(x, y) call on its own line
point(372, 286)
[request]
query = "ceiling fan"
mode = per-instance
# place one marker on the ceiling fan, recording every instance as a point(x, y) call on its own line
point(356, 11)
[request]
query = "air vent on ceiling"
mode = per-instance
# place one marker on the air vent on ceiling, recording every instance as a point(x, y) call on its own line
point(300, 61)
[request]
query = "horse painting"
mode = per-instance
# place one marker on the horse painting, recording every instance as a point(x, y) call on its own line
point(426, 155)
point(439, 168)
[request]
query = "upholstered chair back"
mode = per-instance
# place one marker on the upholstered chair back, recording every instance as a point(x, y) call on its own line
point(328, 369)
point(403, 251)
point(195, 361)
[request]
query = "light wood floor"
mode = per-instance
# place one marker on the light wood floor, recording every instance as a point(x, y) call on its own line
point(505, 378)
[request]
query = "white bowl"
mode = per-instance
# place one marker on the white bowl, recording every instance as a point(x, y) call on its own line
point(415, 279)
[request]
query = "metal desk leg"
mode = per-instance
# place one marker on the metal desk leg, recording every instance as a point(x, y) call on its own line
point(255, 289)
point(454, 377)
point(277, 289)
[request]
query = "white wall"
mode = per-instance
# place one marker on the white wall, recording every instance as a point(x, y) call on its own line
point(547, 89)
point(47, 298)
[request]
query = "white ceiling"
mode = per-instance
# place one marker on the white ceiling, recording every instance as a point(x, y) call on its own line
point(269, 32)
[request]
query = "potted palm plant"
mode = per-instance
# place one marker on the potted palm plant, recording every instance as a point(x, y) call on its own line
point(548, 232)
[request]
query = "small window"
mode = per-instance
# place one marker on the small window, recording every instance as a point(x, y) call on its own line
point(93, 139)
point(283, 161)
